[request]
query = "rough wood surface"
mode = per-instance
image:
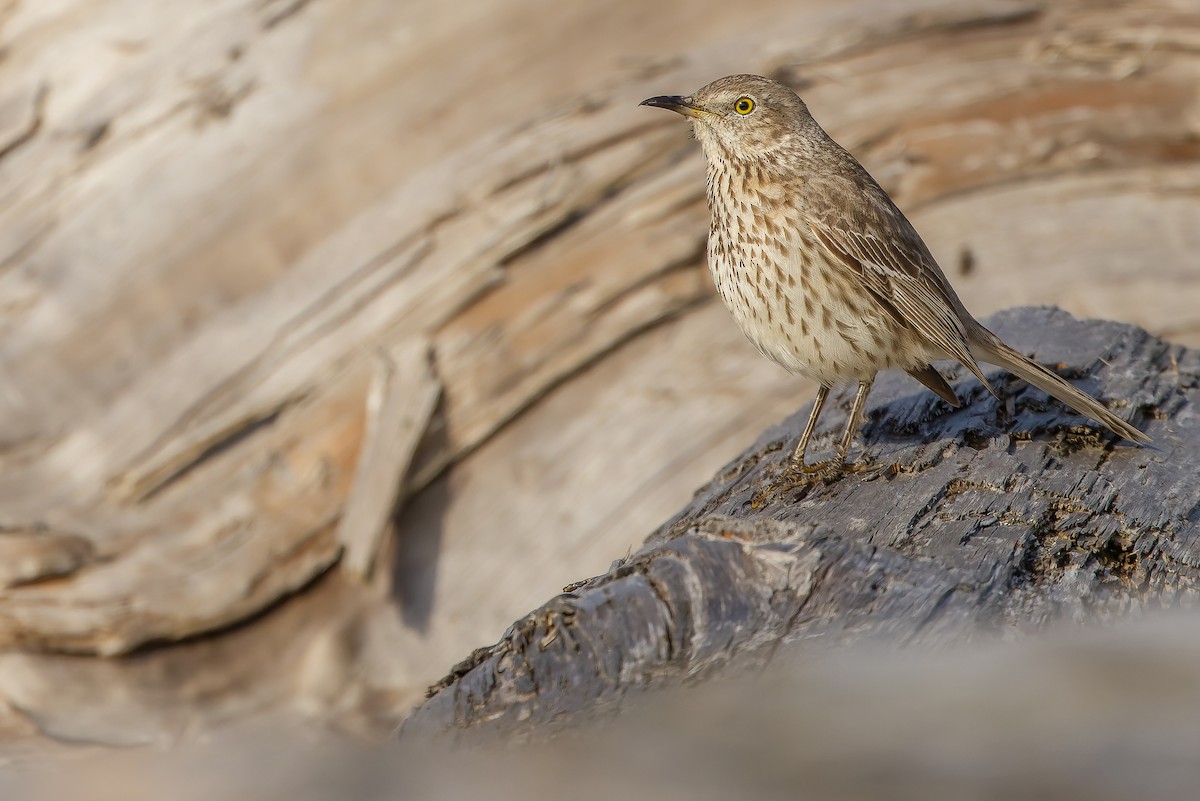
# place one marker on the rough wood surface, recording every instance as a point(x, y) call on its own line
point(1003, 515)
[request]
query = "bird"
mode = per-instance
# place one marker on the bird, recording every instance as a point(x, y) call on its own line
point(823, 272)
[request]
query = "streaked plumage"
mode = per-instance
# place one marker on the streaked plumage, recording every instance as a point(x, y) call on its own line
point(818, 266)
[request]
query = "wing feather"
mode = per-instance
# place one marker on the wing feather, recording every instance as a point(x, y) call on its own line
point(892, 261)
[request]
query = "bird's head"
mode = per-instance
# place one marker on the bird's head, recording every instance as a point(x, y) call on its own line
point(742, 117)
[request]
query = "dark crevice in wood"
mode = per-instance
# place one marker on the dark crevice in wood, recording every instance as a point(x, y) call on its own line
point(32, 128)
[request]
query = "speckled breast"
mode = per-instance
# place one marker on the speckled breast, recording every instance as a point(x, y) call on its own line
point(799, 308)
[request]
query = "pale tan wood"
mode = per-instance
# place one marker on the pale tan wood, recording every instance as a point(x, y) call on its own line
point(37, 552)
point(404, 391)
point(187, 560)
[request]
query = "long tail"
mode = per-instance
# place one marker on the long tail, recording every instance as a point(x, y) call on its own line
point(986, 347)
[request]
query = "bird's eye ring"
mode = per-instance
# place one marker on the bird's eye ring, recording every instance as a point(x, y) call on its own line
point(743, 106)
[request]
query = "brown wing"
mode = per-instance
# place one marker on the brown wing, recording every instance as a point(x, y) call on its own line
point(885, 252)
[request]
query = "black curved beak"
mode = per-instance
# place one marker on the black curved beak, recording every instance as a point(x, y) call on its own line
point(680, 105)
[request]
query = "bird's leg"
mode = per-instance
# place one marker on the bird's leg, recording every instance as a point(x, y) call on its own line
point(798, 473)
point(797, 463)
point(834, 465)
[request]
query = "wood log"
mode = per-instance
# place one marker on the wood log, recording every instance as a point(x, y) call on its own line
point(213, 217)
point(210, 222)
point(403, 393)
point(999, 517)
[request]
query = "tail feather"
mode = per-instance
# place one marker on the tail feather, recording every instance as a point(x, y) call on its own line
point(931, 378)
point(993, 351)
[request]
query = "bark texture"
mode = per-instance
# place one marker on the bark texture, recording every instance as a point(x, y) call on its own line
point(1001, 516)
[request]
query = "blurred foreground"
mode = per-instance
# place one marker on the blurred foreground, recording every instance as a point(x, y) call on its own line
point(1069, 714)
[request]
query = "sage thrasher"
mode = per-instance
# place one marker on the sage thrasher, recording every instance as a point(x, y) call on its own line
point(819, 267)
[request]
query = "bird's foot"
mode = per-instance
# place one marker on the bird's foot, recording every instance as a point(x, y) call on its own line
point(827, 471)
point(814, 469)
point(798, 475)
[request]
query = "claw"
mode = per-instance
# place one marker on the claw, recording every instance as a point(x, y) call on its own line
point(785, 483)
point(794, 476)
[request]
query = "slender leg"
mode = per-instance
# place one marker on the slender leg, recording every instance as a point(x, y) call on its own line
point(802, 446)
point(860, 401)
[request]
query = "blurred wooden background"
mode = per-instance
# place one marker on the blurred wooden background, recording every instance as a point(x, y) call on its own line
point(242, 239)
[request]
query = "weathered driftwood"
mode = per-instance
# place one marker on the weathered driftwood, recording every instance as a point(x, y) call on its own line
point(210, 221)
point(403, 393)
point(213, 218)
point(1002, 515)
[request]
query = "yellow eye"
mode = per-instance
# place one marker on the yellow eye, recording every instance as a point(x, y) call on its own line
point(743, 106)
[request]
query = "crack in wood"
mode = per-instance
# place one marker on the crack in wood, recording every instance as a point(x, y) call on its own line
point(155, 467)
point(286, 10)
point(32, 126)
